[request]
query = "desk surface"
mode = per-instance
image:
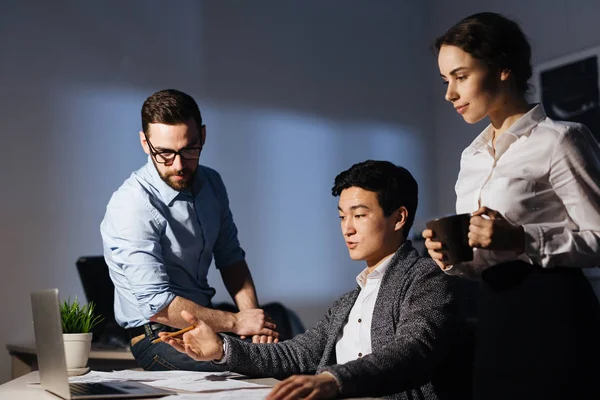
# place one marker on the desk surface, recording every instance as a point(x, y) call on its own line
point(21, 388)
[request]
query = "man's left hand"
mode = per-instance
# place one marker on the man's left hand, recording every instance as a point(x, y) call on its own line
point(321, 386)
point(494, 232)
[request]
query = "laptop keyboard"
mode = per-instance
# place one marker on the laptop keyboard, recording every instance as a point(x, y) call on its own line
point(83, 389)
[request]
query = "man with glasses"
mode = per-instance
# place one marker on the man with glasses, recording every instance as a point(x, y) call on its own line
point(161, 230)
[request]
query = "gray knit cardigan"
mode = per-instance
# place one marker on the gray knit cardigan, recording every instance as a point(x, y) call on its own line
point(415, 319)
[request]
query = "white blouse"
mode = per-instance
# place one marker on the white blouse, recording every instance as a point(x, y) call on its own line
point(543, 175)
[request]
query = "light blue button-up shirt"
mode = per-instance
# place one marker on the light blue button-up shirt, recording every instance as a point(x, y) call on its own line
point(159, 242)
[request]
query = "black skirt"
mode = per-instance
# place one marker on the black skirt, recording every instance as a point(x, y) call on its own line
point(538, 335)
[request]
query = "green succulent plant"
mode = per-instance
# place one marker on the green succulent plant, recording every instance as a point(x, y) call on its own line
point(78, 318)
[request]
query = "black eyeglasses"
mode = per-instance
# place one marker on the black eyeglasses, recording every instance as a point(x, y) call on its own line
point(168, 156)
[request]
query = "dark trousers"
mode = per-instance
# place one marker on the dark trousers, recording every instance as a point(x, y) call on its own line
point(538, 335)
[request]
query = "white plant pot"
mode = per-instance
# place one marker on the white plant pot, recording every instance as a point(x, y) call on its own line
point(77, 349)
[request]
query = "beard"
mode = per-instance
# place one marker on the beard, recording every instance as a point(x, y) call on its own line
point(172, 180)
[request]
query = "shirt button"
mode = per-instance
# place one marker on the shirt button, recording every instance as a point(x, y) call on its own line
point(360, 354)
point(359, 320)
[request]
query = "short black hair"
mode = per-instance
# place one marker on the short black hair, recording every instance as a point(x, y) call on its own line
point(170, 107)
point(495, 40)
point(394, 185)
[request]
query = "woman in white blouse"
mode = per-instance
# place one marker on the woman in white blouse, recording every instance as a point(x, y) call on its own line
point(532, 185)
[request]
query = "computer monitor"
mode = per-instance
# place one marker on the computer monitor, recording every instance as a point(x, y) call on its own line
point(99, 288)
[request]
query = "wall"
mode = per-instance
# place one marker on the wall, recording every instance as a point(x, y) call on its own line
point(292, 93)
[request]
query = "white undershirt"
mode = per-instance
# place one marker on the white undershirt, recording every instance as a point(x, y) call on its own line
point(354, 341)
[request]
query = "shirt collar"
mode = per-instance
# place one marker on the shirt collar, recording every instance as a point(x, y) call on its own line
point(167, 193)
point(377, 273)
point(528, 121)
point(522, 126)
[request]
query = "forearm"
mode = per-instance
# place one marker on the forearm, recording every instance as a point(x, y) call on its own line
point(299, 355)
point(559, 246)
point(572, 237)
point(219, 321)
point(238, 281)
point(277, 360)
point(245, 298)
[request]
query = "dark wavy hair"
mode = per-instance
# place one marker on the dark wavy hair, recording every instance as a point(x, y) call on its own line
point(494, 39)
point(170, 107)
point(395, 186)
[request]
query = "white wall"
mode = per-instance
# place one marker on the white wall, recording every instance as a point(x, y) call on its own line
point(554, 28)
point(292, 93)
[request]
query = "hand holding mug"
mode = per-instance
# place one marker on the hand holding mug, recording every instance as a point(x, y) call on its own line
point(489, 230)
point(446, 240)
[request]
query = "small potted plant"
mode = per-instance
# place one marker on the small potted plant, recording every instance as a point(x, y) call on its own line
point(77, 322)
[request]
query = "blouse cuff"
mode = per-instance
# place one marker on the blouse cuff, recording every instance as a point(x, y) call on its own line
point(534, 242)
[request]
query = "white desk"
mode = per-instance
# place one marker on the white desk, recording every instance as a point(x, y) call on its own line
point(21, 389)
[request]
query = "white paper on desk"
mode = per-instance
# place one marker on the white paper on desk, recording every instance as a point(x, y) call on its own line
point(144, 376)
point(209, 384)
point(90, 377)
point(246, 394)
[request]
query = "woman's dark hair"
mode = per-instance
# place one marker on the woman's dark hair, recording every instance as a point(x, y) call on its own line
point(395, 186)
point(494, 39)
point(170, 107)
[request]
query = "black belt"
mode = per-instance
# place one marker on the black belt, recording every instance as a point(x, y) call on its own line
point(147, 329)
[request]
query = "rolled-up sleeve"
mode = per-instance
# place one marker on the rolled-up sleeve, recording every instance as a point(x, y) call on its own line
point(227, 250)
point(131, 235)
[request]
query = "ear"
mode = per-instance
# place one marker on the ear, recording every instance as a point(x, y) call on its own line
point(144, 143)
point(401, 218)
point(505, 74)
point(203, 134)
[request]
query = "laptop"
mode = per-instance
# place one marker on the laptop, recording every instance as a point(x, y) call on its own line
point(53, 365)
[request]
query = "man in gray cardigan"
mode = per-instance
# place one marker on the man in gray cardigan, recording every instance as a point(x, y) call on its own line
point(392, 335)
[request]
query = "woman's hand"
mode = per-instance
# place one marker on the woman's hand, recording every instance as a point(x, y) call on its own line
point(489, 230)
point(434, 249)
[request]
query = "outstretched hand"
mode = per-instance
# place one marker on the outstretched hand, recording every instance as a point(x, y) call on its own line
point(201, 343)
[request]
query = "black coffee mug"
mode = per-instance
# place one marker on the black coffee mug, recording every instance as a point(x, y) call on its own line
point(453, 233)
